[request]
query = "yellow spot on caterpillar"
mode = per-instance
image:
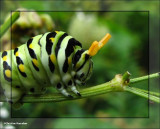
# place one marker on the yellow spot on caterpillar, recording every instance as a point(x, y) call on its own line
point(17, 53)
point(52, 39)
point(21, 67)
point(56, 31)
point(35, 62)
point(4, 58)
point(69, 61)
point(77, 66)
point(30, 46)
point(8, 73)
point(53, 58)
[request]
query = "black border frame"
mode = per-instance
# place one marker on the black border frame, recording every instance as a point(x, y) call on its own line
point(88, 11)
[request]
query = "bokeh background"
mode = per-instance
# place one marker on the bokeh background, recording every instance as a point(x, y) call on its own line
point(128, 50)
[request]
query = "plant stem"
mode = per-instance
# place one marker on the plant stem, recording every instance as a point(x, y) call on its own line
point(126, 76)
point(115, 85)
point(118, 84)
point(149, 92)
point(111, 86)
point(134, 80)
point(142, 94)
point(9, 22)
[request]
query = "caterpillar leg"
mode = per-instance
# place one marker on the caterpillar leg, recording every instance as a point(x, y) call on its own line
point(63, 91)
point(74, 89)
point(13, 96)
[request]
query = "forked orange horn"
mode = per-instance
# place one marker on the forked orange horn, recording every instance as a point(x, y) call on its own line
point(96, 46)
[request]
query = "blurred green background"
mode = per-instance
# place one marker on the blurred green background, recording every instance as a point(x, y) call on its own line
point(127, 50)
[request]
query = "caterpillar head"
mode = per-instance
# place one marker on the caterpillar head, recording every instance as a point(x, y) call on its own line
point(82, 60)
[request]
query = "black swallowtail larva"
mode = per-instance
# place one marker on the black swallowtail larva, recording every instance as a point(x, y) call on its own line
point(52, 59)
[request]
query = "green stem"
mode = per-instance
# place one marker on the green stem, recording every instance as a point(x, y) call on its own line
point(126, 76)
point(9, 22)
point(118, 84)
point(155, 75)
point(115, 85)
point(142, 94)
point(87, 92)
point(149, 92)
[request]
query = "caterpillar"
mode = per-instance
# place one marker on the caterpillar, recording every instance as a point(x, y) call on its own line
point(53, 59)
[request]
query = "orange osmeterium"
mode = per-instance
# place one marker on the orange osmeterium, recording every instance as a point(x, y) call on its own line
point(96, 46)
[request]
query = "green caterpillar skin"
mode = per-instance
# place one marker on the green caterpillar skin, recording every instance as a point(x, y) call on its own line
point(52, 59)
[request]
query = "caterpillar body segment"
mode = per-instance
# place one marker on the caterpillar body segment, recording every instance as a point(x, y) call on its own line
point(52, 59)
point(25, 72)
point(7, 68)
point(33, 56)
point(64, 52)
